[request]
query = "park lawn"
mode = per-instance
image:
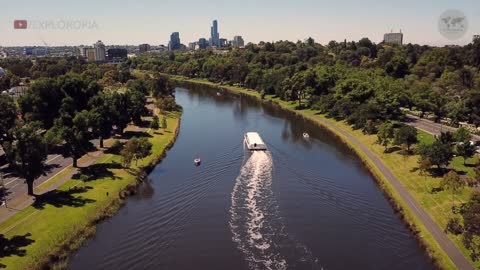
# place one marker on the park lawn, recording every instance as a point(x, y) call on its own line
point(67, 217)
point(438, 203)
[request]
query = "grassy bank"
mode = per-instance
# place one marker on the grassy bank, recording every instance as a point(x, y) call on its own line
point(437, 202)
point(46, 232)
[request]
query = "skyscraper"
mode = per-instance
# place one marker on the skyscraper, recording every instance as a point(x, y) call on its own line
point(202, 43)
point(174, 43)
point(393, 38)
point(100, 54)
point(215, 36)
point(238, 41)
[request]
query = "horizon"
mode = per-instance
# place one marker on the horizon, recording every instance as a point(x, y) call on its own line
point(266, 21)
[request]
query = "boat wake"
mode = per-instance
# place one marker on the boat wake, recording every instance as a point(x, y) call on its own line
point(255, 223)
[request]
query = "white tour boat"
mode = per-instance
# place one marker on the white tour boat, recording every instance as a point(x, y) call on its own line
point(254, 142)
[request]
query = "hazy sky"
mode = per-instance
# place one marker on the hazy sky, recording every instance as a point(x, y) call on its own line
point(149, 21)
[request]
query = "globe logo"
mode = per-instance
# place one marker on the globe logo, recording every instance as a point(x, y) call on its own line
point(453, 24)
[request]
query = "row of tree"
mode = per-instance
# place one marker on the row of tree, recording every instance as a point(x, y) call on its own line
point(67, 112)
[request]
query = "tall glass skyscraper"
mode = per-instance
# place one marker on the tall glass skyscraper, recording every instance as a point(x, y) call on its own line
point(215, 36)
point(174, 43)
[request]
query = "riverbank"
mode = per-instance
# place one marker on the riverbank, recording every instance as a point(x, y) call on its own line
point(403, 186)
point(44, 234)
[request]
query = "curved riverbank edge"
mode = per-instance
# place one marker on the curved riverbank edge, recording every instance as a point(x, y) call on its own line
point(441, 250)
point(60, 260)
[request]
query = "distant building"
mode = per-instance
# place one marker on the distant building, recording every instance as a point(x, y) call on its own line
point(174, 43)
point(214, 35)
point(202, 43)
point(35, 51)
point(90, 54)
point(476, 37)
point(2, 72)
point(238, 41)
point(192, 46)
point(117, 54)
point(144, 48)
point(223, 42)
point(100, 54)
point(393, 38)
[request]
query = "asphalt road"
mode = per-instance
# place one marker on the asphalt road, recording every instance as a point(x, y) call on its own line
point(431, 127)
point(15, 185)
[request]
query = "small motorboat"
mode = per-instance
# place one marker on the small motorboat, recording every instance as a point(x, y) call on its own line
point(305, 135)
point(197, 161)
point(219, 94)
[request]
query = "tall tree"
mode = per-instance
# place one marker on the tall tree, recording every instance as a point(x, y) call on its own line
point(385, 134)
point(29, 153)
point(453, 182)
point(76, 137)
point(406, 135)
point(8, 116)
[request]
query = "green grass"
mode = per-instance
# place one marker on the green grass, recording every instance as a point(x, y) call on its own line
point(56, 229)
point(437, 204)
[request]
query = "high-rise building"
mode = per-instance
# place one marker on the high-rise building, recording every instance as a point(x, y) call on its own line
point(144, 48)
point(214, 35)
point(100, 54)
point(202, 43)
point(90, 54)
point(393, 38)
point(192, 46)
point(174, 43)
point(117, 54)
point(238, 41)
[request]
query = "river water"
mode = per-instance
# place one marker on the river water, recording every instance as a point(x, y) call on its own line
point(304, 204)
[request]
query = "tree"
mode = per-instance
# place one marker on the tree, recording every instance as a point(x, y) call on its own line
point(466, 150)
point(8, 116)
point(161, 86)
point(439, 153)
point(385, 134)
point(155, 122)
point(164, 122)
point(406, 135)
point(135, 149)
point(453, 182)
point(166, 104)
point(462, 135)
point(424, 164)
point(101, 116)
point(136, 105)
point(120, 117)
point(29, 153)
point(75, 136)
point(471, 221)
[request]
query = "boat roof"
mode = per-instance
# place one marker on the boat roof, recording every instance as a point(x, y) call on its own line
point(254, 137)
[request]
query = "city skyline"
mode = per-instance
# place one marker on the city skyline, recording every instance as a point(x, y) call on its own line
point(268, 20)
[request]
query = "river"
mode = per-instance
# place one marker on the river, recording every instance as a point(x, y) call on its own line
point(304, 204)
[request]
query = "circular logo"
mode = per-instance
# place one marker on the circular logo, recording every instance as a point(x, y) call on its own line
point(453, 24)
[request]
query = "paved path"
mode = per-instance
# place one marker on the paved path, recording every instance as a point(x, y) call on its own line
point(447, 245)
point(431, 127)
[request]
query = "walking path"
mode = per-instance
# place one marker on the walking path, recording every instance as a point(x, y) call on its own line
point(446, 244)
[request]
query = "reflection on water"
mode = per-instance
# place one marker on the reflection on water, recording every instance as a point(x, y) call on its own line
point(306, 204)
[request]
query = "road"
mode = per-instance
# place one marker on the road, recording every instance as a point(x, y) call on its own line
point(16, 186)
point(431, 127)
point(438, 234)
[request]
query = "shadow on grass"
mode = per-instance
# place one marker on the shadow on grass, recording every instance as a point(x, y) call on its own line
point(97, 171)
point(14, 246)
point(60, 198)
point(131, 134)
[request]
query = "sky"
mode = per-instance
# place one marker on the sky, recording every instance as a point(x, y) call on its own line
point(121, 22)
